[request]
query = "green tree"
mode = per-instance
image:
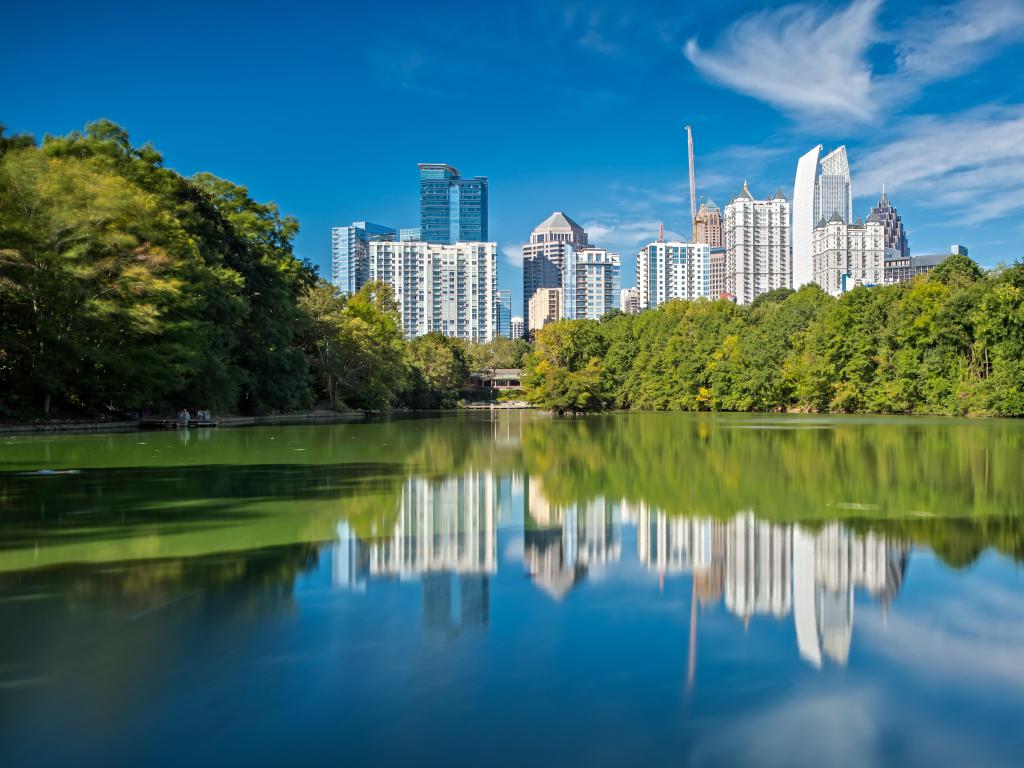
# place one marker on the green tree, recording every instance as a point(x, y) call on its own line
point(324, 308)
point(372, 367)
point(440, 368)
point(564, 372)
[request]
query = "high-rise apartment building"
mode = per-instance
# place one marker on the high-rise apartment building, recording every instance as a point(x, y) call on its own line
point(446, 288)
point(895, 236)
point(504, 313)
point(708, 225)
point(544, 255)
point(452, 209)
point(848, 255)
point(757, 246)
point(545, 306)
point(629, 301)
point(672, 270)
point(822, 189)
point(518, 327)
point(350, 253)
point(590, 283)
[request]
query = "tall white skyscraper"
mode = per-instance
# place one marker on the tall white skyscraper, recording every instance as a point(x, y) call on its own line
point(821, 189)
point(672, 270)
point(590, 283)
point(449, 288)
point(757, 246)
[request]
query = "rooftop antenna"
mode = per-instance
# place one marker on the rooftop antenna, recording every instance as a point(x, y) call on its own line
point(693, 185)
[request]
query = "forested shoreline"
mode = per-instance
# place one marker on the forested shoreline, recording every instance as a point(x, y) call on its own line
point(951, 342)
point(127, 287)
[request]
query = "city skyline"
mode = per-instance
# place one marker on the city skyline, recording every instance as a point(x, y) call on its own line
point(942, 131)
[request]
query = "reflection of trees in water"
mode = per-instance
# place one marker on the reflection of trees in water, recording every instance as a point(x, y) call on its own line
point(953, 485)
point(122, 621)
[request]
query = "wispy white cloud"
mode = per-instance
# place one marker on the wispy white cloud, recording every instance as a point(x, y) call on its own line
point(953, 38)
point(513, 255)
point(624, 234)
point(810, 62)
point(798, 57)
point(971, 163)
point(969, 641)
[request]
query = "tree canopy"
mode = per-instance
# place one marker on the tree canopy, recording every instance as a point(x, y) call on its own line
point(951, 342)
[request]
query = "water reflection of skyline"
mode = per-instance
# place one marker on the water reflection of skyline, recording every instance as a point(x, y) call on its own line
point(446, 537)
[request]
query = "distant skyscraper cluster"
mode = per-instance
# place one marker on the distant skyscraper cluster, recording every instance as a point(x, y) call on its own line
point(444, 272)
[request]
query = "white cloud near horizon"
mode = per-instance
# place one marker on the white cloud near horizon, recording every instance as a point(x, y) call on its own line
point(814, 63)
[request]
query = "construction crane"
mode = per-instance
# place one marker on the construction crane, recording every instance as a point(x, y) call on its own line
point(693, 186)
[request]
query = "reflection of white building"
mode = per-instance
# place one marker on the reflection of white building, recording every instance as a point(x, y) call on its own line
point(758, 558)
point(443, 525)
point(672, 544)
point(349, 562)
point(768, 569)
point(827, 567)
point(560, 544)
point(446, 535)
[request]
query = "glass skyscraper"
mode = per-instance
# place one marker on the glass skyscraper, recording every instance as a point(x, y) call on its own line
point(503, 299)
point(822, 188)
point(350, 253)
point(452, 209)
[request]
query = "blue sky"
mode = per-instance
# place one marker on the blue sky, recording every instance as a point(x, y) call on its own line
point(325, 108)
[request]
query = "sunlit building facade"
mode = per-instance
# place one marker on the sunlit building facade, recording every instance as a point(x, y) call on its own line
point(591, 280)
point(672, 270)
point(545, 306)
point(544, 256)
point(822, 189)
point(757, 246)
point(445, 288)
point(848, 255)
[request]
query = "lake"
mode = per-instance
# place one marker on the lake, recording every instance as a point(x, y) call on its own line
point(509, 589)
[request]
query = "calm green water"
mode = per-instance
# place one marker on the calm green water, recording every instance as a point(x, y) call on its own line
point(513, 589)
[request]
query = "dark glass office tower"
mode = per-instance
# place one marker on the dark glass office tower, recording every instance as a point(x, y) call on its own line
point(452, 209)
point(895, 236)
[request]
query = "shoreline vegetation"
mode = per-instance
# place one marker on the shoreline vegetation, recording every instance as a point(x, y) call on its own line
point(126, 288)
point(947, 343)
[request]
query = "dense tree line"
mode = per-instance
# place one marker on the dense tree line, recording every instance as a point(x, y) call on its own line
point(125, 285)
point(951, 342)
